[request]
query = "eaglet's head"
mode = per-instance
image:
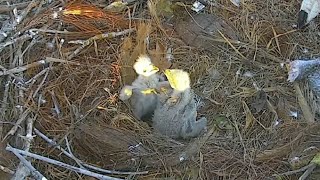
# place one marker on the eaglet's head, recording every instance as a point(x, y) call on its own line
point(143, 66)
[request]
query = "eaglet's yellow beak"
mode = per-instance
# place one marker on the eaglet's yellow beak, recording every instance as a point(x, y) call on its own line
point(155, 68)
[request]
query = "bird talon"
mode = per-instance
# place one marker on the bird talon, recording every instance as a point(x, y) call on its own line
point(149, 91)
point(173, 100)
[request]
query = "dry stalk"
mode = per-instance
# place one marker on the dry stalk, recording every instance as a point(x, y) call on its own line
point(51, 31)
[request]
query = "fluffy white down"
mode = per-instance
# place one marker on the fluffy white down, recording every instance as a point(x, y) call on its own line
point(143, 66)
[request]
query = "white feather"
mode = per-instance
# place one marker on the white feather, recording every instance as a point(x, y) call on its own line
point(312, 7)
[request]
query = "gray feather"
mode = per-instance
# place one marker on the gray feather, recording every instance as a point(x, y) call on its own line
point(178, 120)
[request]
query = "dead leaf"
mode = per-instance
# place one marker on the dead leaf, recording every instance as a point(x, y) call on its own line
point(158, 57)
point(130, 52)
point(250, 119)
point(143, 32)
point(126, 62)
point(152, 6)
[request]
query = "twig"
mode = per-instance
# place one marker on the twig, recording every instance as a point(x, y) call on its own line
point(35, 39)
point(308, 171)
point(87, 42)
point(71, 154)
point(29, 136)
point(6, 8)
point(34, 78)
point(309, 117)
point(4, 103)
point(6, 170)
point(232, 46)
point(24, 169)
point(51, 31)
point(6, 92)
point(241, 139)
point(61, 164)
point(295, 171)
point(15, 127)
point(12, 41)
point(41, 83)
point(33, 170)
point(55, 145)
point(56, 104)
point(34, 64)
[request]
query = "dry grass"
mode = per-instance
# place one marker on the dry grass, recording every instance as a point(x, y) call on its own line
point(102, 131)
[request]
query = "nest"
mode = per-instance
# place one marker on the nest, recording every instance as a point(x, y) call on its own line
point(72, 91)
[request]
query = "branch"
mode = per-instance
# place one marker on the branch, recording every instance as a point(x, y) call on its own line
point(20, 120)
point(87, 42)
point(34, 64)
point(33, 170)
point(61, 164)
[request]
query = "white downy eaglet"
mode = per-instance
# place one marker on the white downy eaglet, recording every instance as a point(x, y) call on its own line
point(140, 94)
